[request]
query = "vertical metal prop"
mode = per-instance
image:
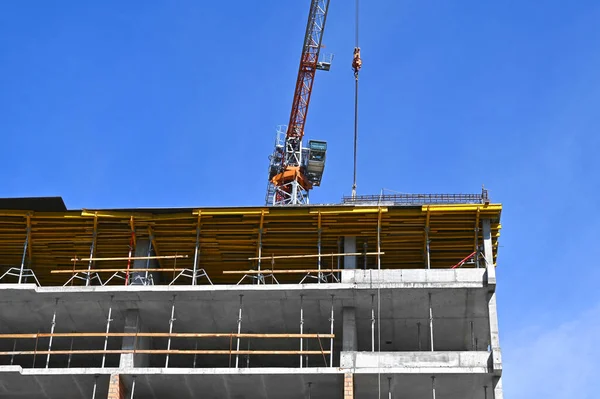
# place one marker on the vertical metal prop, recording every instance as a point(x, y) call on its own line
point(372, 322)
point(301, 326)
point(331, 340)
point(485, 392)
point(195, 355)
point(95, 385)
point(389, 387)
point(132, 388)
point(309, 390)
point(239, 330)
point(320, 276)
point(24, 255)
point(92, 249)
point(51, 333)
point(108, 320)
point(433, 387)
point(196, 251)
point(70, 354)
point(171, 320)
point(430, 322)
point(365, 255)
point(419, 334)
point(12, 357)
point(148, 254)
point(472, 337)
point(260, 234)
point(427, 242)
point(379, 241)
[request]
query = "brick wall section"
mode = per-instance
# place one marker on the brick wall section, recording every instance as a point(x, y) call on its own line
point(349, 386)
point(116, 390)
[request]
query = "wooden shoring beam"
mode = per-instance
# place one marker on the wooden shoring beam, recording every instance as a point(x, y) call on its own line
point(164, 335)
point(129, 258)
point(318, 255)
point(278, 271)
point(124, 270)
point(162, 352)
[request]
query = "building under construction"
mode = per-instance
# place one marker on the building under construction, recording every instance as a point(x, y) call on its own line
point(386, 296)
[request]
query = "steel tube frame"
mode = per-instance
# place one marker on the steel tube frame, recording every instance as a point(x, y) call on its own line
point(171, 320)
point(433, 387)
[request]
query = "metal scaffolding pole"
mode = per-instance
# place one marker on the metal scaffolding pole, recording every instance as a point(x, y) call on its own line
point(389, 387)
point(427, 242)
point(108, 320)
point(433, 387)
point(430, 322)
point(239, 330)
point(320, 275)
point(70, 354)
point(372, 322)
point(419, 334)
point(472, 336)
point(331, 339)
point(24, 254)
point(95, 385)
point(51, 332)
point(485, 391)
point(196, 251)
point(92, 249)
point(171, 320)
point(132, 388)
point(12, 357)
point(301, 327)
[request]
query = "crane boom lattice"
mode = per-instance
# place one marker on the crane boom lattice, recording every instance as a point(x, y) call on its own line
point(293, 169)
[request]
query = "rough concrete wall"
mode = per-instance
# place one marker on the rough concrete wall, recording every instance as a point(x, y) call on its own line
point(116, 390)
point(349, 386)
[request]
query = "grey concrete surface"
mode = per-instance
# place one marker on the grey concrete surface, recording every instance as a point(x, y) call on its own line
point(417, 362)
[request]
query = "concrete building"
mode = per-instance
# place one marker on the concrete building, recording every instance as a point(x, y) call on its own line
point(382, 297)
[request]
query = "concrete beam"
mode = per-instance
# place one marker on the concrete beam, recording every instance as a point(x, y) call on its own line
point(416, 278)
point(498, 393)
point(417, 362)
point(494, 334)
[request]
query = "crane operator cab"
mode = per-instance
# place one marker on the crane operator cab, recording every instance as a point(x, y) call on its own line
point(315, 161)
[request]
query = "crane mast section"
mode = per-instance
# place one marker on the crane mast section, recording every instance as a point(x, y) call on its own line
point(308, 67)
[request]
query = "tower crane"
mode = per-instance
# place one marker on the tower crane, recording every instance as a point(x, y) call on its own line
point(293, 169)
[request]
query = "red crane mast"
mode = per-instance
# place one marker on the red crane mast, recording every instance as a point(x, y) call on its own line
point(294, 170)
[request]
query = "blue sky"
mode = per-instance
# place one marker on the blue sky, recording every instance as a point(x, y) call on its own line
point(156, 103)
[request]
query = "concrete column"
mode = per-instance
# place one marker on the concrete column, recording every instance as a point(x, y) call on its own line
point(349, 247)
point(494, 336)
point(143, 248)
point(116, 389)
point(349, 386)
point(488, 252)
point(133, 324)
point(498, 394)
point(349, 332)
